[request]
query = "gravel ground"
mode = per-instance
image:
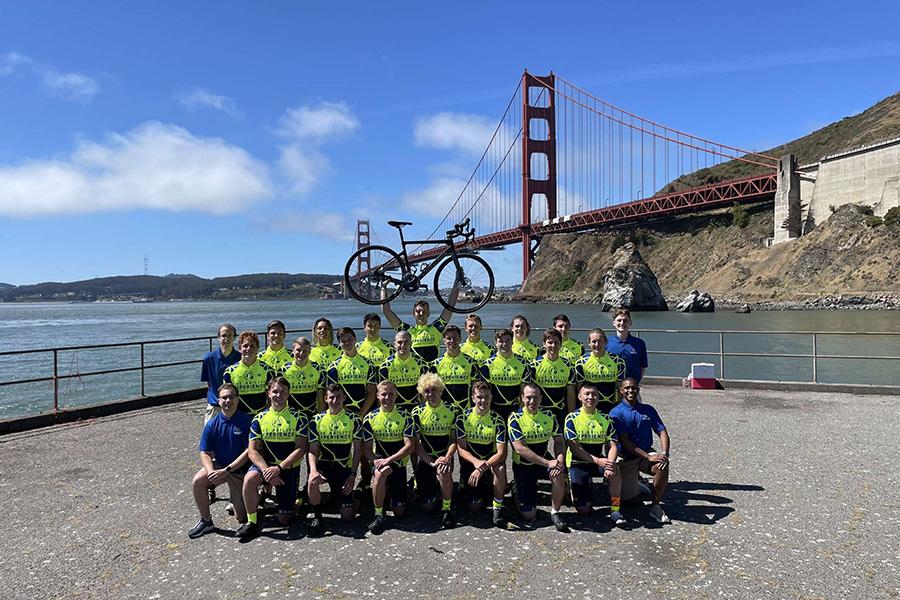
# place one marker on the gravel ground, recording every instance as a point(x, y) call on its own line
point(773, 495)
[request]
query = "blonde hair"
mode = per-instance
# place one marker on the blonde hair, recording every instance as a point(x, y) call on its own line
point(429, 380)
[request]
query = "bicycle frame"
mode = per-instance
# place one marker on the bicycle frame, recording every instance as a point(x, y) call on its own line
point(407, 265)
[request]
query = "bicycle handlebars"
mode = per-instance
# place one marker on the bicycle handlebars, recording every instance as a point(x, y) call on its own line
point(462, 230)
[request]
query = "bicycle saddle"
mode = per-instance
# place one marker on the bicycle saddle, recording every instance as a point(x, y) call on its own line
point(399, 224)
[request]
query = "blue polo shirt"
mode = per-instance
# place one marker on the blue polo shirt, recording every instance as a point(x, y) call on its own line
point(633, 351)
point(226, 438)
point(638, 422)
point(214, 364)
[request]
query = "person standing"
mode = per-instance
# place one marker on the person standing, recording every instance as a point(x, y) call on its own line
point(523, 347)
point(556, 378)
point(506, 374)
point(403, 369)
point(354, 373)
point(632, 350)
point(323, 351)
point(456, 370)
point(249, 375)
point(307, 380)
point(474, 347)
point(373, 347)
point(426, 337)
point(601, 369)
point(571, 350)
point(214, 365)
point(275, 355)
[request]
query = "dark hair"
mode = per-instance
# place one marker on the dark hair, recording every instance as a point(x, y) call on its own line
point(474, 317)
point(527, 324)
point(552, 333)
point(229, 326)
point(371, 317)
point(452, 329)
point(228, 386)
point(501, 332)
point(597, 330)
point(481, 385)
point(532, 385)
point(334, 388)
point(279, 380)
point(562, 317)
point(422, 303)
point(327, 322)
point(346, 331)
point(276, 323)
point(622, 311)
point(588, 384)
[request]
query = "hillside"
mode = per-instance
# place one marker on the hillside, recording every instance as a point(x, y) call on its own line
point(879, 122)
point(173, 286)
point(842, 256)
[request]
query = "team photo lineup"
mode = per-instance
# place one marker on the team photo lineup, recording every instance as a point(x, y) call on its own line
point(384, 421)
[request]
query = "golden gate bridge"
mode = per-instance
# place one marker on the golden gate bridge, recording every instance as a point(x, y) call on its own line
point(562, 160)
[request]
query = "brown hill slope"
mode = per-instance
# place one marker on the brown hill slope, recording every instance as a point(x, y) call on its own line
point(879, 122)
point(843, 255)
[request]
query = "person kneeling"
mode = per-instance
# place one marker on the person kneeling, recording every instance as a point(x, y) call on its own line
point(388, 440)
point(223, 456)
point(277, 446)
point(592, 452)
point(481, 442)
point(530, 429)
point(335, 444)
point(435, 447)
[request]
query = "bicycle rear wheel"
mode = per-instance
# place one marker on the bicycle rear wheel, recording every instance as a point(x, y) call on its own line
point(476, 283)
point(369, 269)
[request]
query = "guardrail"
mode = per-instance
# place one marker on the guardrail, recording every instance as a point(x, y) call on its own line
point(720, 351)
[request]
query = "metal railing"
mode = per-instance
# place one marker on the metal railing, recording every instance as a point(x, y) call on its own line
point(721, 351)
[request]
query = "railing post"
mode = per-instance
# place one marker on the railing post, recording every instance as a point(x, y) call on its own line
point(815, 359)
point(55, 381)
point(721, 355)
point(210, 344)
point(142, 369)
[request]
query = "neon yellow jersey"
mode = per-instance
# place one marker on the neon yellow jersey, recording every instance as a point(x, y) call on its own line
point(605, 371)
point(324, 355)
point(403, 373)
point(354, 374)
point(571, 350)
point(553, 377)
point(426, 339)
point(278, 431)
point(457, 373)
point(592, 431)
point(525, 350)
point(335, 435)
point(377, 351)
point(435, 425)
point(306, 381)
point(275, 359)
point(535, 430)
point(506, 376)
point(388, 430)
point(482, 432)
point(251, 383)
point(478, 351)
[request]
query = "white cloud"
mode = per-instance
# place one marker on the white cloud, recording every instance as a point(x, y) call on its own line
point(68, 85)
point(199, 97)
point(320, 123)
point(325, 224)
point(154, 166)
point(448, 131)
point(436, 199)
point(302, 168)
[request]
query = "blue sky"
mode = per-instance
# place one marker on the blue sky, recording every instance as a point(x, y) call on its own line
point(222, 137)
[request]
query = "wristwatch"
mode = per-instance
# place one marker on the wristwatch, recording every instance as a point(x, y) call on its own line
point(228, 468)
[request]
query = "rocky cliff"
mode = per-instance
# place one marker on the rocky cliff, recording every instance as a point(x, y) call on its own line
point(848, 255)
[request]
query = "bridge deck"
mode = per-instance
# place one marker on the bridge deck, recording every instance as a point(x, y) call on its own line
point(774, 494)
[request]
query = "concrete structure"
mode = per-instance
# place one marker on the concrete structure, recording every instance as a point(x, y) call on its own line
point(868, 175)
point(787, 201)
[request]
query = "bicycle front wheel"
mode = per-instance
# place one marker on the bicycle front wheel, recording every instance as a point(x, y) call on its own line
point(476, 283)
point(370, 269)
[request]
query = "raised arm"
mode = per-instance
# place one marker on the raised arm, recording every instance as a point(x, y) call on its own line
point(389, 313)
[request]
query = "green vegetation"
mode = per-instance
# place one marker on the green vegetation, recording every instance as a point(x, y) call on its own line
point(566, 279)
point(892, 217)
point(739, 216)
point(873, 221)
point(639, 237)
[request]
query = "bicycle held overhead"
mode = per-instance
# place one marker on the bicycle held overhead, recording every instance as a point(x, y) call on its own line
point(463, 280)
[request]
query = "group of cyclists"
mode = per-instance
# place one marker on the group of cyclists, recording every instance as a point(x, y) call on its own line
point(367, 411)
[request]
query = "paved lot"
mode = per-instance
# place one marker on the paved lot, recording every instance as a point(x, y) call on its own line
point(774, 495)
